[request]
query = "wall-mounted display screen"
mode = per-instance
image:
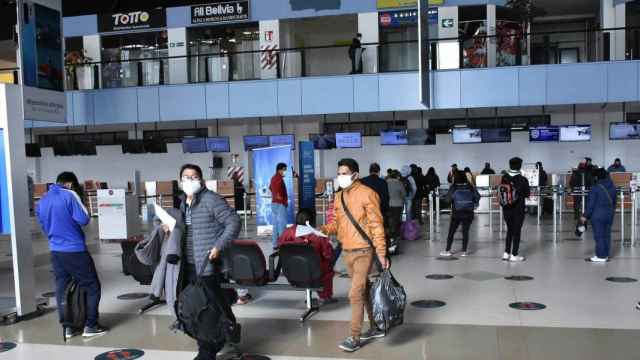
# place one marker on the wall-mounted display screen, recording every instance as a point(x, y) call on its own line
point(281, 140)
point(496, 135)
point(421, 137)
point(349, 140)
point(466, 136)
point(624, 131)
point(255, 142)
point(393, 137)
point(194, 145)
point(575, 133)
point(323, 142)
point(544, 134)
point(218, 144)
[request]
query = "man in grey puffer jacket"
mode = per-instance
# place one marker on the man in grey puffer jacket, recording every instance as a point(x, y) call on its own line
point(210, 226)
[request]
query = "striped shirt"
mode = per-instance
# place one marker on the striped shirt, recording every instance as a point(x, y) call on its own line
point(189, 242)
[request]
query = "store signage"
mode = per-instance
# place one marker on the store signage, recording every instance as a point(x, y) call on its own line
point(307, 179)
point(447, 23)
point(132, 20)
point(400, 18)
point(392, 4)
point(222, 11)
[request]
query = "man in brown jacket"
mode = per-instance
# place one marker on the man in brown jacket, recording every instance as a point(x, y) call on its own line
point(364, 205)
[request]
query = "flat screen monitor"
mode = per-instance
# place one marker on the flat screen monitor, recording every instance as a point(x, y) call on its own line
point(194, 145)
point(133, 147)
point(421, 137)
point(466, 136)
point(218, 144)
point(323, 142)
point(624, 131)
point(252, 142)
point(393, 137)
point(575, 133)
point(349, 140)
point(544, 134)
point(501, 135)
point(282, 140)
point(33, 150)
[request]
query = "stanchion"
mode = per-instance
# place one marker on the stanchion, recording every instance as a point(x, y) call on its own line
point(431, 225)
point(555, 217)
point(561, 199)
point(622, 217)
point(583, 196)
point(539, 205)
point(244, 202)
point(437, 200)
point(634, 215)
point(501, 221)
point(490, 211)
point(324, 209)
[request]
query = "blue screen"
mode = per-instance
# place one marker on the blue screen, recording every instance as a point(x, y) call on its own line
point(624, 131)
point(544, 134)
point(496, 135)
point(194, 145)
point(218, 144)
point(280, 140)
point(393, 137)
point(323, 142)
point(349, 140)
point(255, 142)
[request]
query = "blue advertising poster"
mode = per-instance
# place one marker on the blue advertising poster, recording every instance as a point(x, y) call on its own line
point(4, 197)
point(264, 167)
point(307, 180)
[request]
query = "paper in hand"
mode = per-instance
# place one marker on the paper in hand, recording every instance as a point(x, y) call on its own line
point(164, 217)
point(304, 230)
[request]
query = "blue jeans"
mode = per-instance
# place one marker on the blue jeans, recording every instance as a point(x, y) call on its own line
point(602, 235)
point(77, 266)
point(279, 222)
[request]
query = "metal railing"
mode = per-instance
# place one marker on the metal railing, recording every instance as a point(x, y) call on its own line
point(552, 47)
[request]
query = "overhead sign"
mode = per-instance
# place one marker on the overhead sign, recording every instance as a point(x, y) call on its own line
point(41, 56)
point(132, 20)
point(222, 11)
point(392, 4)
point(400, 18)
point(447, 23)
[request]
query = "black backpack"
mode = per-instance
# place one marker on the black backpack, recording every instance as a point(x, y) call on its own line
point(200, 314)
point(74, 307)
point(132, 266)
point(464, 199)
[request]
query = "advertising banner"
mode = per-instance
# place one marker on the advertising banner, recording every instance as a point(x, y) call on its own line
point(4, 195)
point(391, 4)
point(264, 167)
point(132, 20)
point(307, 180)
point(532, 174)
point(41, 56)
point(220, 11)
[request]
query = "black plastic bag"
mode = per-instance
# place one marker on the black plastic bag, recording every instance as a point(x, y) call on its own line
point(388, 300)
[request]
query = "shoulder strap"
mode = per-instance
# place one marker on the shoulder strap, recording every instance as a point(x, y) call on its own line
point(607, 195)
point(357, 226)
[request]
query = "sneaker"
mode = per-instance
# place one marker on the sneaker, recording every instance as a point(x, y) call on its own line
point(244, 300)
point(596, 259)
point(506, 257)
point(638, 306)
point(516, 258)
point(94, 331)
point(71, 333)
point(464, 254)
point(373, 333)
point(446, 254)
point(350, 344)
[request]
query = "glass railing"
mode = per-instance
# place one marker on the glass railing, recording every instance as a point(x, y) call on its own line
point(509, 47)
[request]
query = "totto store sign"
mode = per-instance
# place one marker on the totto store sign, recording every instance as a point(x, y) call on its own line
point(221, 11)
point(132, 20)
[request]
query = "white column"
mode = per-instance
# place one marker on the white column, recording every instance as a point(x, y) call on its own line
point(12, 123)
point(614, 16)
point(491, 31)
point(177, 47)
point(91, 47)
point(448, 51)
point(621, 35)
point(370, 30)
point(269, 44)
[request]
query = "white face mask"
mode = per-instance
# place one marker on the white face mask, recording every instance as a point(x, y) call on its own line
point(344, 181)
point(191, 187)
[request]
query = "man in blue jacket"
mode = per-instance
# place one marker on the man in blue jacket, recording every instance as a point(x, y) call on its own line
point(62, 216)
point(601, 208)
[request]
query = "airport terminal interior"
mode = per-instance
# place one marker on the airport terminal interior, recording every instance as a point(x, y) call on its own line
point(427, 97)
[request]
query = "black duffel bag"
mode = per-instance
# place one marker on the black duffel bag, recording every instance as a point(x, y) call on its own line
point(388, 300)
point(201, 316)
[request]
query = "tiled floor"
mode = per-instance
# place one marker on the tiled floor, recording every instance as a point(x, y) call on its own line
point(586, 317)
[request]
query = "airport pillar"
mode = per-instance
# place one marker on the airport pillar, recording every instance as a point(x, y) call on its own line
point(613, 15)
point(177, 38)
point(369, 27)
point(491, 39)
point(270, 61)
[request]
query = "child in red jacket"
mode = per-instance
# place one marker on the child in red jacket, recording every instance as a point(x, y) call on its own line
point(305, 233)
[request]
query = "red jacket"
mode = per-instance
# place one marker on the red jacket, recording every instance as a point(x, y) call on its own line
point(278, 190)
point(321, 245)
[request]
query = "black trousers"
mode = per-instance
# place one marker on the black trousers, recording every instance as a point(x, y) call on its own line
point(465, 220)
point(395, 220)
point(207, 350)
point(416, 208)
point(514, 222)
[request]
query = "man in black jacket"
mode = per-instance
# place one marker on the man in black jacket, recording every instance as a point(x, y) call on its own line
point(356, 63)
point(514, 213)
point(377, 184)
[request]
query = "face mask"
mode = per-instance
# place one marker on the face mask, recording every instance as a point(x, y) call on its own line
point(344, 181)
point(191, 187)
